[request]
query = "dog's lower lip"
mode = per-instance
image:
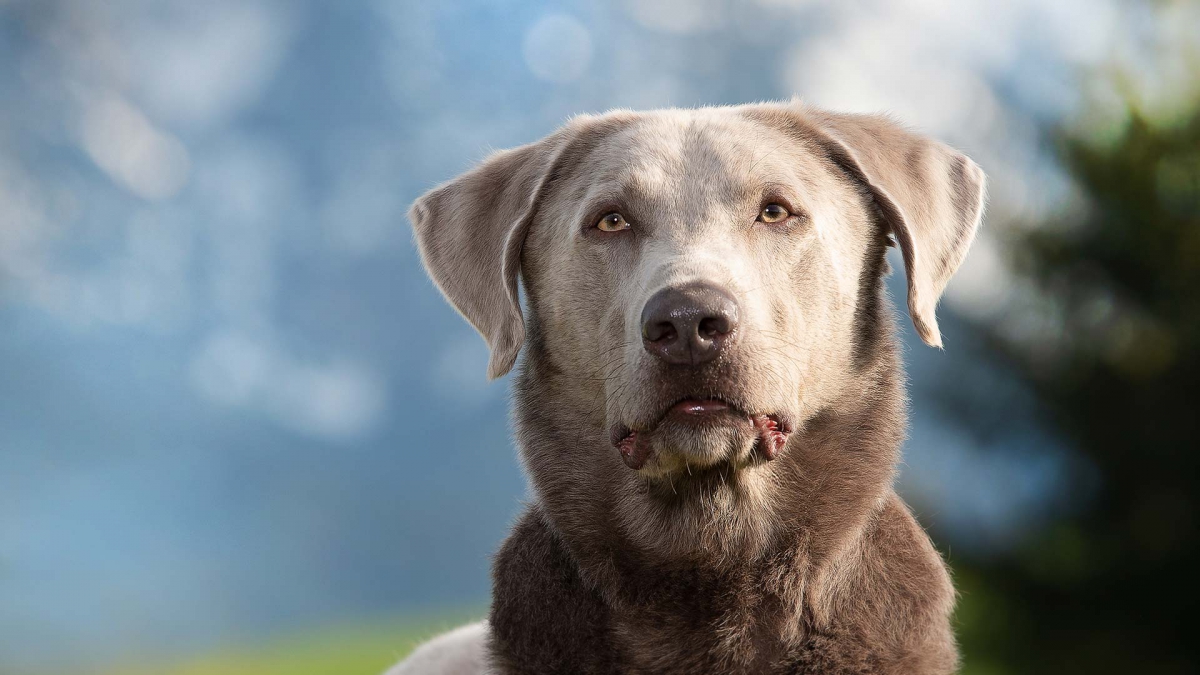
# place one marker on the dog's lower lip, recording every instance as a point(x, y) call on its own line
point(773, 429)
point(695, 406)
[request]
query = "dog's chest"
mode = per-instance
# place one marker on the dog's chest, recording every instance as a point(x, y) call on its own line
point(545, 619)
point(727, 627)
point(738, 645)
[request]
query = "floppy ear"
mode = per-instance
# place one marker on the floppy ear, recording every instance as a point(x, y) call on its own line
point(931, 195)
point(470, 231)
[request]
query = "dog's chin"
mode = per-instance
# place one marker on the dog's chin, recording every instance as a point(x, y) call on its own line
point(701, 434)
point(685, 449)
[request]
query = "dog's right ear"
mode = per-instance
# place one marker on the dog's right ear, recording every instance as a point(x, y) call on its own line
point(470, 232)
point(931, 195)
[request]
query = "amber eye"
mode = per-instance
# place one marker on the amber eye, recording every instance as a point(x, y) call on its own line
point(773, 213)
point(613, 222)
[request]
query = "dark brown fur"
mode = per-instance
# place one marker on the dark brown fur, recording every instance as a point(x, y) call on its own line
point(850, 585)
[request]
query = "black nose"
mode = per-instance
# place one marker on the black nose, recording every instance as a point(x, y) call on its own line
point(689, 325)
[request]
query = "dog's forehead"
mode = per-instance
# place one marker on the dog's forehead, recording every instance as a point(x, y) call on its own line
point(719, 152)
point(683, 143)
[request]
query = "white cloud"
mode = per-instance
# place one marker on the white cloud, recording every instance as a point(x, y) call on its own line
point(231, 369)
point(678, 16)
point(147, 161)
point(203, 63)
point(333, 398)
point(557, 48)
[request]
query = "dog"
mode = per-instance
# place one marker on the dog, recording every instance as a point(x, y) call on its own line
point(711, 405)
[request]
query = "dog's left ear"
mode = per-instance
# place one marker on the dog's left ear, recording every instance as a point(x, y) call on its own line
point(470, 232)
point(931, 195)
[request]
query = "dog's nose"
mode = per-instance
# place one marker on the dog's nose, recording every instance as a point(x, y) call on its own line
point(689, 325)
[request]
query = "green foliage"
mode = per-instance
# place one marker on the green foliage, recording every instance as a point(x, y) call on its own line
point(1111, 587)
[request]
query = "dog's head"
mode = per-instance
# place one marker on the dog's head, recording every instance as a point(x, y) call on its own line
point(700, 282)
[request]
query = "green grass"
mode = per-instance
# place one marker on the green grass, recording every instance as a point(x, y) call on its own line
point(366, 649)
point(356, 649)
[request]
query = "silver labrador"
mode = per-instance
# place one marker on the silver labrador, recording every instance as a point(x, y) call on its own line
point(710, 406)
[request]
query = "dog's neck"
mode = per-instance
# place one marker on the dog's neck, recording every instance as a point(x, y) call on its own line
point(819, 495)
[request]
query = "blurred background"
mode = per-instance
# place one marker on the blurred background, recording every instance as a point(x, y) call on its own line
point(240, 432)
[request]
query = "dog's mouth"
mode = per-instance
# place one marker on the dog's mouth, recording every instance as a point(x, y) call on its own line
point(772, 429)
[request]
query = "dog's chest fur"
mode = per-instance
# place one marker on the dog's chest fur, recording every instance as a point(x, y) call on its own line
point(546, 620)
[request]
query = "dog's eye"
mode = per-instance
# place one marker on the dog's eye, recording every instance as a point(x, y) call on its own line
point(613, 222)
point(773, 213)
